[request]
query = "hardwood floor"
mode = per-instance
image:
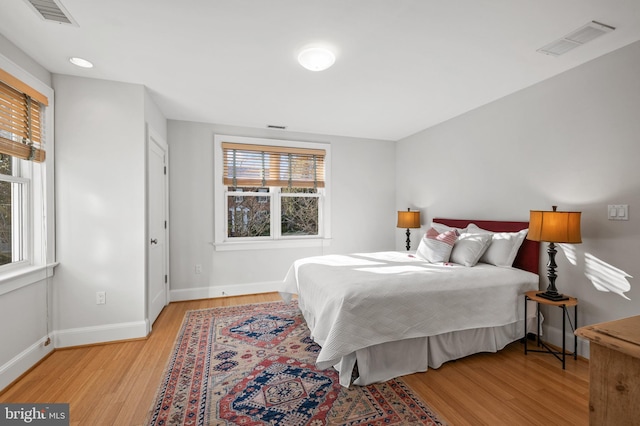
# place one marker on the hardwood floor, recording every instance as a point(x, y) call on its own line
point(115, 384)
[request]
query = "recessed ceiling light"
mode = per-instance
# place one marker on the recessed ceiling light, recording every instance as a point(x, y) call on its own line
point(83, 63)
point(316, 58)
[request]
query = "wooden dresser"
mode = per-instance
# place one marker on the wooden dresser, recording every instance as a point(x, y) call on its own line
point(614, 371)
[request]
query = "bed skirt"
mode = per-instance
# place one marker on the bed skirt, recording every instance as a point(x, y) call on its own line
point(385, 361)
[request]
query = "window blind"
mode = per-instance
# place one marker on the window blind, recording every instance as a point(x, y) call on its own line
point(21, 119)
point(263, 165)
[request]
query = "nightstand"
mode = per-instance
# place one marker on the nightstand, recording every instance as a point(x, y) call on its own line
point(563, 304)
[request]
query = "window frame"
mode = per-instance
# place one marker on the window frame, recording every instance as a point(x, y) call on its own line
point(23, 207)
point(38, 230)
point(224, 243)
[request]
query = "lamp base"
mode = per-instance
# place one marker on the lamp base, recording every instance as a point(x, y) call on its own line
point(408, 239)
point(551, 295)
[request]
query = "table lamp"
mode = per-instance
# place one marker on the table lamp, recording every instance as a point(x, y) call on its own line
point(408, 220)
point(554, 227)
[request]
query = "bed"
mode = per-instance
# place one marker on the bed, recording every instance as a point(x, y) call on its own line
point(382, 315)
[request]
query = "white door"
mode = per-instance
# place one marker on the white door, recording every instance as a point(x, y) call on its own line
point(157, 227)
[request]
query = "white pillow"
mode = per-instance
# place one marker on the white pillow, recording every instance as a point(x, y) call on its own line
point(503, 248)
point(469, 248)
point(436, 247)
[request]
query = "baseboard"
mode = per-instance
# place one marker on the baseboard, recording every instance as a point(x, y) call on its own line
point(224, 290)
point(22, 362)
point(553, 335)
point(99, 334)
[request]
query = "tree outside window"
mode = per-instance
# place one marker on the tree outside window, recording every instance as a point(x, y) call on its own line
point(271, 191)
point(6, 228)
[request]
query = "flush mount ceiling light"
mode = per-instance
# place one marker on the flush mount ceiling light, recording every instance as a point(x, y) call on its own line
point(316, 58)
point(79, 62)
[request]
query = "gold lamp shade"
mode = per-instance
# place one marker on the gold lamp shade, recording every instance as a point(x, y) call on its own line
point(408, 219)
point(554, 226)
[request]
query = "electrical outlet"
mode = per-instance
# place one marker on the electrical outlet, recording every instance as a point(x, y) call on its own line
point(101, 298)
point(198, 268)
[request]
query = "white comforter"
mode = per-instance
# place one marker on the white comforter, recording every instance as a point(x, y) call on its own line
point(351, 302)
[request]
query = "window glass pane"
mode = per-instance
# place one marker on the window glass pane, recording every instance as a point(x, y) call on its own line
point(249, 215)
point(299, 215)
point(300, 168)
point(6, 164)
point(244, 164)
point(294, 190)
point(6, 228)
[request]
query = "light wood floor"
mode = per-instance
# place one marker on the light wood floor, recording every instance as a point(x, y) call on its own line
point(115, 384)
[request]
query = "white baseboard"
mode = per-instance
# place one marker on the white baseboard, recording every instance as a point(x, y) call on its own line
point(100, 334)
point(224, 290)
point(23, 362)
point(553, 335)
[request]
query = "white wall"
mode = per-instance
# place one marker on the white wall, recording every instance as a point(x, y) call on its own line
point(363, 185)
point(571, 141)
point(101, 223)
point(154, 118)
point(27, 63)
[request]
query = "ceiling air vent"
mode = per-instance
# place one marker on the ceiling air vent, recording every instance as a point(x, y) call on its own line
point(577, 38)
point(52, 11)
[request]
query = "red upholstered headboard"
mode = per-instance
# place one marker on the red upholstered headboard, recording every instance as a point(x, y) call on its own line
point(529, 254)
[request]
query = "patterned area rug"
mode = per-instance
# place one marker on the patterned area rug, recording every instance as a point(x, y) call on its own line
point(254, 365)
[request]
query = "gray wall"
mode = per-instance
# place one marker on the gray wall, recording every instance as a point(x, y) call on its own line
point(17, 56)
point(571, 141)
point(101, 214)
point(363, 197)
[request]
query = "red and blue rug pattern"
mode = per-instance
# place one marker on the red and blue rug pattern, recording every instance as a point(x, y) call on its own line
point(255, 365)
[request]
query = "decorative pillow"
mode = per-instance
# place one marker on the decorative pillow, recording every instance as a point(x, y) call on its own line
point(503, 248)
point(436, 247)
point(444, 228)
point(469, 248)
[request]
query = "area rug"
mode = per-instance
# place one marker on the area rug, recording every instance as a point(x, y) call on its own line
point(255, 365)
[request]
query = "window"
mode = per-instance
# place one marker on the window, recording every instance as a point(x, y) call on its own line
point(271, 191)
point(22, 174)
point(14, 193)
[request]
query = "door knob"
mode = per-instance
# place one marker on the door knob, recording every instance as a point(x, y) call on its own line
point(154, 241)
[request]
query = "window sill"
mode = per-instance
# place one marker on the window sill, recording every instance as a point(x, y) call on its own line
point(22, 277)
point(268, 245)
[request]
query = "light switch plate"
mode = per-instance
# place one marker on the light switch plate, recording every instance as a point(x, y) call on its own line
point(618, 212)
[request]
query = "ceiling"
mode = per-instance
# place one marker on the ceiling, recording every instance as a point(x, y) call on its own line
point(401, 66)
